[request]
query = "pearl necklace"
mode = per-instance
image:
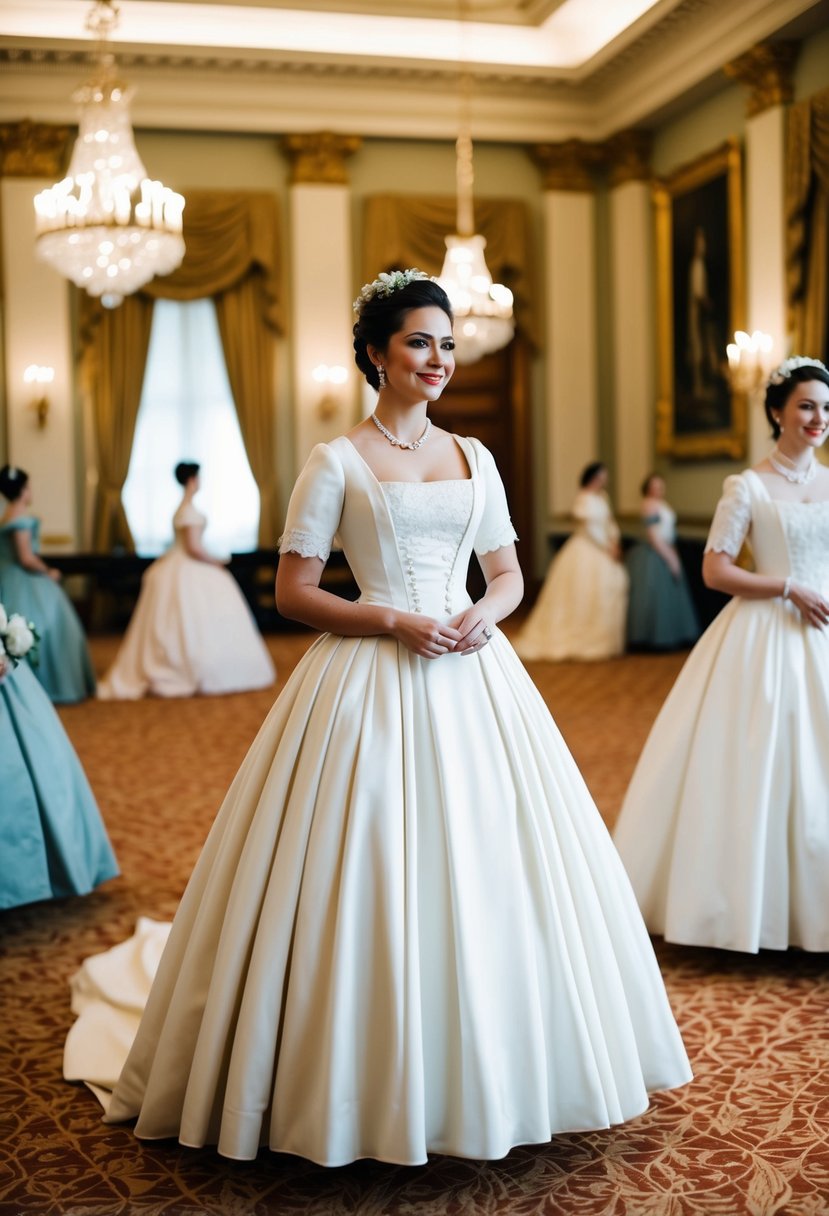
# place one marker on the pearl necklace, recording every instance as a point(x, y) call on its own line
point(398, 443)
point(785, 467)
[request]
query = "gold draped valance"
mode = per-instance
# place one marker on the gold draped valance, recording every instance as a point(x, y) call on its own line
point(232, 255)
point(807, 223)
point(400, 231)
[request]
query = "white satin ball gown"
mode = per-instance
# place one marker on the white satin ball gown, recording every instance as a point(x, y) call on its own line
point(581, 608)
point(724, 830)
point(191, 632)
point(409, 931)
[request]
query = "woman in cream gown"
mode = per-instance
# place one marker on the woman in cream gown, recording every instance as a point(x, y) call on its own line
point(409, 931)
point(192, 630)
point(580, 610)
point(724, 830)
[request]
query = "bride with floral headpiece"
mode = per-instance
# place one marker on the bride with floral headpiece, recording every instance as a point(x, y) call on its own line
point(724, 829)
point(409, 931)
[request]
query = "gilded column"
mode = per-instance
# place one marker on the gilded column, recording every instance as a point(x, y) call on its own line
point(767, 71)
point(632, 311)
point(322, 285)
point(570, 339)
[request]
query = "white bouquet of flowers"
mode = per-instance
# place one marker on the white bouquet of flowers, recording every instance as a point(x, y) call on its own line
point(18, 639)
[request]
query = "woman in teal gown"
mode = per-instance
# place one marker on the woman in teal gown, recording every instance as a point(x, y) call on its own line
point(52, 839)
point(31, 587)
point(661, 613)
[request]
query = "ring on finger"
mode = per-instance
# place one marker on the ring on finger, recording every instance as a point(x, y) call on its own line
point(487, 632)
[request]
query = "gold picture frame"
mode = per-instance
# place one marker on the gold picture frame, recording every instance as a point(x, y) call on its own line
point(700, 303)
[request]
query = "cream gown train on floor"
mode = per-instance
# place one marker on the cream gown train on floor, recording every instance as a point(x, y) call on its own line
point(724, 830)
point(408, 931)
point(191, 632)
point(581, 608)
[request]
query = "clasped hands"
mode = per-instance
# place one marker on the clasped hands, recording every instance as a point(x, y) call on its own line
point(811, 605)
point(464, 634)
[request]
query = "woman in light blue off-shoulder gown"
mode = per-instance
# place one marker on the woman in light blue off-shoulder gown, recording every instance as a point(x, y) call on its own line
point(31, 586)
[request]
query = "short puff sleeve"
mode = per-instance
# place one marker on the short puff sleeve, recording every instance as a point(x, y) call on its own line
point(188, 516)
point(495, 528)
point(732, 518)
point(315, 506)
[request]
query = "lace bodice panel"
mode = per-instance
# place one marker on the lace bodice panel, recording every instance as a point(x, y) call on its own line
point(408, 544)
point(430, 520)
point(787, 538)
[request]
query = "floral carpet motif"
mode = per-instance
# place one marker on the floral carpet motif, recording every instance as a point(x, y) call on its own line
point(749, 1136)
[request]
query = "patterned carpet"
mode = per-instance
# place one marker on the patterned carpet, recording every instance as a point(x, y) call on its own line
point(750, 1135)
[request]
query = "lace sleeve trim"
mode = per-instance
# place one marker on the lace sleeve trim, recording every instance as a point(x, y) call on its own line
point(732, 519)
point(497, 540)
point(306, 544)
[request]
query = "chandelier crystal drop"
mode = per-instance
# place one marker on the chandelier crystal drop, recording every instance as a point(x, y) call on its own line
point(107, 226)
point(483, 309)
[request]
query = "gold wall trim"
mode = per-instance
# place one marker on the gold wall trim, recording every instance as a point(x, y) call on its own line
point(34, 149)
point(628, 155)
point(768, 70)
point(319, 157)
point(570, 164)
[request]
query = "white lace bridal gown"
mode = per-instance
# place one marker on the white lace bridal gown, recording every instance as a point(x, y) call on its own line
point(725, 826)
point(409, 931)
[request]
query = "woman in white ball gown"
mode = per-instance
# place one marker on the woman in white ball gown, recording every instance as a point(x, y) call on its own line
point(192, 630)
point(581, 608)
point(409, 931)
point(724, 829)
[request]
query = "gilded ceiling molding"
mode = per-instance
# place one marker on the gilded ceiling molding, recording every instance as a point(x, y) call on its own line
point(34, 149)
point(628, 156)
point(767, 69)
point(319, 156)
point(569, 164)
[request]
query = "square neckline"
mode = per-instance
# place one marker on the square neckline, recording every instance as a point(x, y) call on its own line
point(785, 502)
point(435, 481)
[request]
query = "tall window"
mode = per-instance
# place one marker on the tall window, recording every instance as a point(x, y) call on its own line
point(187, 413)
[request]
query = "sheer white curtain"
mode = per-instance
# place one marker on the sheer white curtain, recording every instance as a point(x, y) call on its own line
point(187, 413)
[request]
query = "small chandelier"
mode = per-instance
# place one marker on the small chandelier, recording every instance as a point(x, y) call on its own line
point(750, 360)
point(107, 226)
point(483, 309)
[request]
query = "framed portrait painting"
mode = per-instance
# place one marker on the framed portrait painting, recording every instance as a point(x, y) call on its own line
point(700, 303)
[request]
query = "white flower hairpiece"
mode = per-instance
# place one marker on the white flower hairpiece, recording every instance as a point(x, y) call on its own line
point(385, 284)
point(784, 371)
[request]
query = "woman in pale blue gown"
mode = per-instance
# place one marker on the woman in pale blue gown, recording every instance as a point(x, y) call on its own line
point(27, 582)
point(661, 613)
point(52, 840)
point(409, 931)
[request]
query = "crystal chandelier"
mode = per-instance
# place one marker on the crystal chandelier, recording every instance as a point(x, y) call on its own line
point(483, 309)
point(107, 226)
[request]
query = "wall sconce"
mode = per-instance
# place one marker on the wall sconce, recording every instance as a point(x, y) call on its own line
point(750, 361)
point(329, 403)
point(39, 375)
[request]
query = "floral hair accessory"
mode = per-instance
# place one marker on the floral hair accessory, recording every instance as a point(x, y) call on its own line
point(12, 473)
point(386, 284)
point(784, 371)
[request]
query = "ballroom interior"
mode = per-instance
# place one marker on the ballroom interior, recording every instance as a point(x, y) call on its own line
point(315, 145)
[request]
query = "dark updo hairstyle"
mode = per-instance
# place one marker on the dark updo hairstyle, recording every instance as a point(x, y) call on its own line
point(12, 482)
point(590, 471)
point(646, 481)
point(186, 469)
point(382, 316)
point(778, 394)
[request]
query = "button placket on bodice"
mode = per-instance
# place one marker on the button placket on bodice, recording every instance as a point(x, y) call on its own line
point(430, 520)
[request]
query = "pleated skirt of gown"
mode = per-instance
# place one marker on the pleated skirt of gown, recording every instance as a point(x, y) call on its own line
point(724, 829)
point(408, 932)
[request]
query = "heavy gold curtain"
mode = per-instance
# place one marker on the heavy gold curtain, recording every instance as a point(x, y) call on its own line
point(400, 231)
point(232, 255)
point(807, 223)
